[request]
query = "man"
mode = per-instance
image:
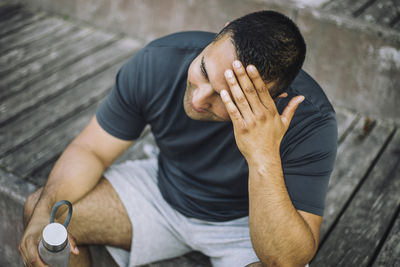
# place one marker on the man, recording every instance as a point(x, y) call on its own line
point(238, 176)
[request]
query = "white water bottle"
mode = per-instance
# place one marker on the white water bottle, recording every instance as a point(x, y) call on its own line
point(54, 248)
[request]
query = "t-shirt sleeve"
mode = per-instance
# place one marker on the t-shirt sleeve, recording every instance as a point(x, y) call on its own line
point(120, 113)
point(308, 162)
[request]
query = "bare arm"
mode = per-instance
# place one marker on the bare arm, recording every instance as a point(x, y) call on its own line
point(81, 166)
point(75, 173)
point(281, 235)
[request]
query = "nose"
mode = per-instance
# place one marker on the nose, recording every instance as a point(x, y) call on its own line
point(202, 97)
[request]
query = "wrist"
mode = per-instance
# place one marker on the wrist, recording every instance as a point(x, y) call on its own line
point(270, 158)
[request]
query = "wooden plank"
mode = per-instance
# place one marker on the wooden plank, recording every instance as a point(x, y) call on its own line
point(345, 7)
point(345, 121)
point(57, 59)
point(18, 21)
point(355, 155)
point(8, 10)
point(58, 82)
point(389, 255)
point(48, 146)
point(14, 187)
point(397, 26)
point(380, 12)
point(396, 23)
point(361, 228)
point(23, 55)
point(31, 33)
point(13, 193)
point(27, 127)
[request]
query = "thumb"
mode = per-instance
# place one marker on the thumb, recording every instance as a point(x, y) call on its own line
point(74, 246)
point(290, 109)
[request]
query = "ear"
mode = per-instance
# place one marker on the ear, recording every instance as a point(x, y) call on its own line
point(227, 23)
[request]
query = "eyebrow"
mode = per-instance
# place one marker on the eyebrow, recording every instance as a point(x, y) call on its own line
point(203, 68)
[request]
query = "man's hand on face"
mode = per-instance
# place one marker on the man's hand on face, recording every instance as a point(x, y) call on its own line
point(258, 126)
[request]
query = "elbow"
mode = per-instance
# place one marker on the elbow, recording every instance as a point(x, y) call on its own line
point(283, 262)
point(300, 257)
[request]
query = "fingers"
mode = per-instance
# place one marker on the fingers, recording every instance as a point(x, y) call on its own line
point(30, 254)
point(74, 246)
point(233, 112)
point(290, 109)
point(261, 87)
point(247, 87)
point(240, 99)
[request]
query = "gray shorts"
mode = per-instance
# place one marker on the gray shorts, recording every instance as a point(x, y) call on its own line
point(160, 232)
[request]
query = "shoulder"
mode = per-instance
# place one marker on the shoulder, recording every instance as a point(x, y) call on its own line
point(316, 105)
point(316, 99)
point(313, 128)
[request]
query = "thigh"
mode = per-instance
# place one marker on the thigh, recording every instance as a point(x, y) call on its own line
point(154, 237)
point(100, 218)
point(226, 243)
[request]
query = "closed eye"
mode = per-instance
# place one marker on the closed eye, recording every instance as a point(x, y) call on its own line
point(204, 71)
point(203, 68)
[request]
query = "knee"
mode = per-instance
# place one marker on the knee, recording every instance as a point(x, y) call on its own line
point(30, 205)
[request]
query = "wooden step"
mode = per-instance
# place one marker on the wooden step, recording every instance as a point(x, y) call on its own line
point(20, 56)
point(354, 157)
point(28, 126)
point(389, 255)
point(70, 76)
point(357, 235)
point(57, 59)
point(31, 33)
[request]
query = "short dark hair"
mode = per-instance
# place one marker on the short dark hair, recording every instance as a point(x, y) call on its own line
point(270, 41)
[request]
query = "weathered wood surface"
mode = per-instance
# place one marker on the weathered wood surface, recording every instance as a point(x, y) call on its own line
point(396, 25)
point(355, 155)
point(345, 121)
point(347, 7)
point(28, 126)
point(383, 12)
point(32, 32)
point(12, 197)
point(7, 11)
point(58, 82)
point(57, 59)
point(362, 227)
point(20, 56)
point(390, 253)
point(18, 21)
point(43, 109)
point(45, 147)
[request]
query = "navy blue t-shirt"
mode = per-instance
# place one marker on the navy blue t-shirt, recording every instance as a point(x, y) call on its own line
point(202, 174)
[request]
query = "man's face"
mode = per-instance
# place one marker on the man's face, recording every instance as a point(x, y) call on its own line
point(206, 80)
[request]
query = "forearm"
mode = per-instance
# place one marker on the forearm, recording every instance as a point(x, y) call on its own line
point(278, 232)
point(75, 173)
